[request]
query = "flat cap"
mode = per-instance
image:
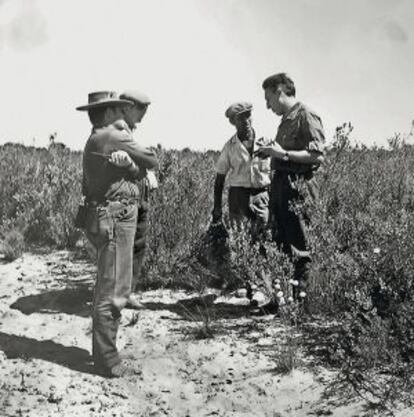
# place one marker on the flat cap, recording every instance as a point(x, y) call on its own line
point(135, 96)
point(237, 108)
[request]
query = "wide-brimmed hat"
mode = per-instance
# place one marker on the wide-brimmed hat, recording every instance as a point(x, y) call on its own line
point(238, 108)
point(104, 98)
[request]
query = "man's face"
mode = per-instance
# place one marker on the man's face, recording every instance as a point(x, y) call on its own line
point(273, 100)
point(242, 122)
point(134, 114)
point(113, 113)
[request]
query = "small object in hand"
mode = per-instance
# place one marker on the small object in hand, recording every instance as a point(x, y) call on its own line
point(260, 154)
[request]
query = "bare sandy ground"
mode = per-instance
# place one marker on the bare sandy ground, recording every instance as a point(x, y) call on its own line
point(45, 344)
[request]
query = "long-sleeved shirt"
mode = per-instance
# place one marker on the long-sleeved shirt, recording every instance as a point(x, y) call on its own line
point(105, 181)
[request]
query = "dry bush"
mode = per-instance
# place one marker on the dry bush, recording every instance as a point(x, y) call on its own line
point(40, 190)
point(362, 235)
point(12, 245)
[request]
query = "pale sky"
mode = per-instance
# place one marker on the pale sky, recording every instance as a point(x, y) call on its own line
point(351, 61)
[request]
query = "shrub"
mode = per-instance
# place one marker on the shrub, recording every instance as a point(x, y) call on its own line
point(40, 190)
point(361, 240)
point(362, 236)
point(13, 245)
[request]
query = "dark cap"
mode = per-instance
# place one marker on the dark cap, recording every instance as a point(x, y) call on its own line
point(237, 108)
point(136, 96)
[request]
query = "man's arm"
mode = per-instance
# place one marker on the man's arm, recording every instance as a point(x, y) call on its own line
point(123, 160)
point(222, 168)
point(312, 131)
point(143, 157)
point(304, 157)
point(218, 194)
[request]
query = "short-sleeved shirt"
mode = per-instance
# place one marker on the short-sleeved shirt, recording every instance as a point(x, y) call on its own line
point(300, 129)
point(241, 168)
point(103, 180)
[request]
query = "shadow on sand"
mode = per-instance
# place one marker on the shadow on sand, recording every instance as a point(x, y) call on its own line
point(195, 307)
point(78, 300)
point(25, 348)
point(74, 300)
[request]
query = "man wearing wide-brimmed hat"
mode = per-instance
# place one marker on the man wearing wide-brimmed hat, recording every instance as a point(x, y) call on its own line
point(248, 176)
point(112, 163)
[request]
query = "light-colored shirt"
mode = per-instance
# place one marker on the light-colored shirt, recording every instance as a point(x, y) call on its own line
point(242, 169)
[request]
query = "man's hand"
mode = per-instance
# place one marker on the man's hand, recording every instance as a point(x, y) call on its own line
point(120, 159)
point(274, 151)
point(217, 214)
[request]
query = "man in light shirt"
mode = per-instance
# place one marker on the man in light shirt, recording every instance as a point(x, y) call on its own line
point(247, 174)
point(133, 116)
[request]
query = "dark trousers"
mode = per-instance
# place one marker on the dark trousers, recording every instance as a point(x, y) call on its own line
point(252, 206)
point(249, 204)
point(140, 243)
point(111, 230)
point(289, 195)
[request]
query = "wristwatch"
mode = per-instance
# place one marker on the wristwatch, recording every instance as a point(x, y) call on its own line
point(286, 157)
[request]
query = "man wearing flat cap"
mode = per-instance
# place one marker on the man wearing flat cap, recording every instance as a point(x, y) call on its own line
point(112, 164)
point(248, 176)
point(133, 115)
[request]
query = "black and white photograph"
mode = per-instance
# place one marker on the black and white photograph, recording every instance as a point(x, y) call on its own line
point(206, 208)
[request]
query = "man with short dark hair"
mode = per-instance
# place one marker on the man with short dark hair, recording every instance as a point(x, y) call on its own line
point(247, 174)
point(112, 162)
point(296, 155)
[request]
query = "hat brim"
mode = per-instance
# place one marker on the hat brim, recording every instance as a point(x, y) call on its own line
point(106, 103)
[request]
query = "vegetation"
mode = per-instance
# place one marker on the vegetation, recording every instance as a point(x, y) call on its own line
point(362, 235)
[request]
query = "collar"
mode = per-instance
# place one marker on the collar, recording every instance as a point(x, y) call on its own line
point(293, 111)
point(235, 138)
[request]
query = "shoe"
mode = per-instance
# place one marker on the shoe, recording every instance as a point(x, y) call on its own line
point(134, 303)
point(270, 308)
point(119, 371)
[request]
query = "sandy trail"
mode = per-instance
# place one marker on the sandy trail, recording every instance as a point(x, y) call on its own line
point(45, 368)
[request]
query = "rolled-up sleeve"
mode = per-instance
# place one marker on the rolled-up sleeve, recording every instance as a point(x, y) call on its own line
point(223, 162)
point(312, 132)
